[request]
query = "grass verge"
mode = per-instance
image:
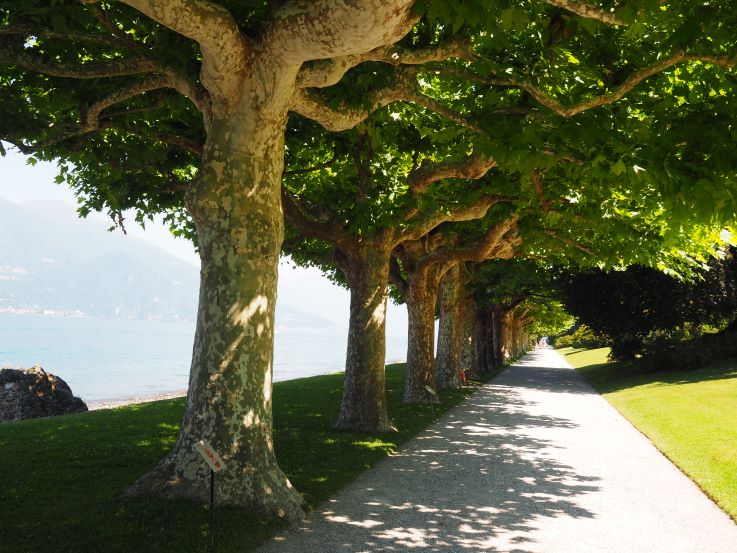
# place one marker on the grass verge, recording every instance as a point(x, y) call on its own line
point(62, 478)
point(691, 416)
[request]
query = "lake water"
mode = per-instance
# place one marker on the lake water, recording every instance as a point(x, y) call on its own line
point(107, 359)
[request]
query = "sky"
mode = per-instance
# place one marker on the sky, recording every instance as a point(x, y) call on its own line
point(305, 289)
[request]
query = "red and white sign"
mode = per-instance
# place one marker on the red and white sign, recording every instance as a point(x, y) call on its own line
point(210, 455)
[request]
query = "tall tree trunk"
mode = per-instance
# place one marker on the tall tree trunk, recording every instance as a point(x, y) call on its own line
point(448, 363)
point(497, 344)
point(421, 298)
point(490, 361)
point(480, 337)
point(236, 207)
point(467, 307)
point(506, 329)
point(364, 391)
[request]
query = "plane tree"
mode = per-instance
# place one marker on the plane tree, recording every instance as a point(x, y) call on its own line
point(625, 152)
point(370, 191)
point(450, 302)
point(517, 293)
point(181, 107)
point(424, 263)
point(583, 227)
point(172, 105)
point(358, 192)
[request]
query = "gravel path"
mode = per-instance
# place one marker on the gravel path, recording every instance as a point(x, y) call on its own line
point(535, 461)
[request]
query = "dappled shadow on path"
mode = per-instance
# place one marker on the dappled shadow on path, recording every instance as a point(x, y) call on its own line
point(481, 479)
point(529, 373)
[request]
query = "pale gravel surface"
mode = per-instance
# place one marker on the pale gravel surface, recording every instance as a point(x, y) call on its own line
point(535, 461)
point(113, 403)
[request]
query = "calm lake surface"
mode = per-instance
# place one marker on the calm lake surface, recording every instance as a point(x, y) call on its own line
point(106, 359)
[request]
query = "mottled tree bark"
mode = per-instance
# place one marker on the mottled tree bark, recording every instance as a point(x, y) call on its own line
point(482, 345)
point(514, 335)
point(422, 292)
point(448, 361)
point(363, 407)
point(467, 308)
point(497, 336)
point(236, 207)
point(245, 88)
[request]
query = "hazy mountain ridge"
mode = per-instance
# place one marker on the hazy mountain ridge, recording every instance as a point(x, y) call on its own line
point(52, 261)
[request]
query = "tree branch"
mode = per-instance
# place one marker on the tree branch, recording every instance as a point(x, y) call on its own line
point(396, 278)
point(302, 31)
point(540, 191)
point(498, 243)
point(324, 73)
point(22, 57)
point(514, 303)
point(178, 141)
point(196, 94)
point(20, 30)
point(635, 78)
point(114, 30)
point(91, 118)
point(473, 167)
point(435, 106)
point(310, 226)
point(12, 54)
point(309, 105)
point(589, 11)
point(224, 48)
point(631, 82)
point(422, 224)
point(569, 242)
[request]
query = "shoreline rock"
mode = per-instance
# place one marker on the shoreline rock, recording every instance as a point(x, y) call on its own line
point(34, 393)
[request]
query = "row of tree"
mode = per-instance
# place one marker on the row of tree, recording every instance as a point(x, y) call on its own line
point(406, 142)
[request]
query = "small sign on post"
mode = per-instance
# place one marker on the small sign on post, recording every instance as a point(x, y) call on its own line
point(210, 456)
point(433, 397)
point(216, 464)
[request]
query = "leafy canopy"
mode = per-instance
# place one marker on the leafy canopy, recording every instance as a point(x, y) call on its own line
point(622, 109)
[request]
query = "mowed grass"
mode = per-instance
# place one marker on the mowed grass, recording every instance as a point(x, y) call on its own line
point(691, 416)
point(61, 478)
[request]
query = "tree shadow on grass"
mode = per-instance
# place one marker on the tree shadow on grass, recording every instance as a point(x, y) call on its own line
point(471, 482)
point(68, 473)
point(613, 377)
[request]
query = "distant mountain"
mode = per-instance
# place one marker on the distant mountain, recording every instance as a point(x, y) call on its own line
point(55, 263)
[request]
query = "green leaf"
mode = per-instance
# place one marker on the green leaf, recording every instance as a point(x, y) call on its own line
point(618, 168)
point(514, 19)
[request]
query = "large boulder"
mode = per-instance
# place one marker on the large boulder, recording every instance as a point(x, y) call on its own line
point(32, 393)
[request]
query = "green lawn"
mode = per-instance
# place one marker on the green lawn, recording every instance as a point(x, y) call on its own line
point(691, 416)
point(61, 478)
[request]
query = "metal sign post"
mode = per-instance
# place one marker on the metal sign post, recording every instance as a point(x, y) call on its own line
point(216, 464)
point(211, 525)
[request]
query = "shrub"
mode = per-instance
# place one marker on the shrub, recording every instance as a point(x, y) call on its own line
point(693, 354)
point(581, 337)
